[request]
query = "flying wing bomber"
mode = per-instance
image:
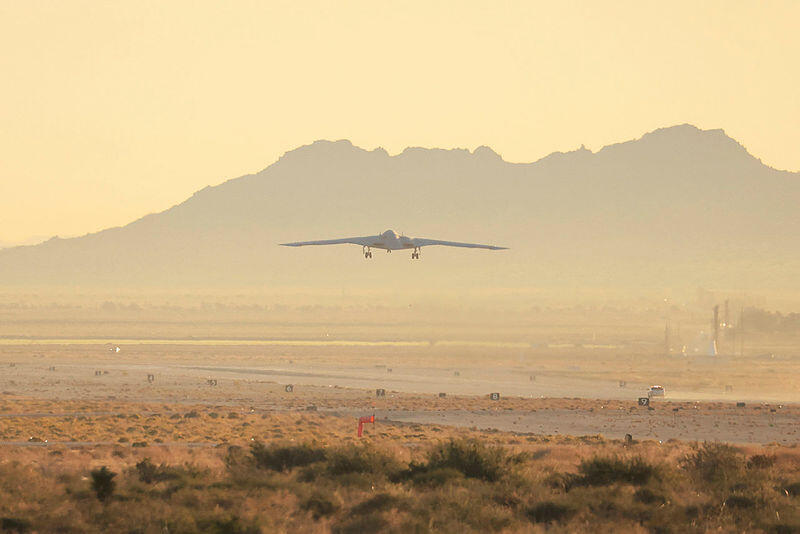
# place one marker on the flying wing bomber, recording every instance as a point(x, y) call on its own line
point(389, 241)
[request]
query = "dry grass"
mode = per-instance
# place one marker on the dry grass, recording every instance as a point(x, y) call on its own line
point(398, 478)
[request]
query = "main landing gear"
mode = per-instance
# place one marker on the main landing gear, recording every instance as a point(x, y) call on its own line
point(367, 253)
point(415, 254)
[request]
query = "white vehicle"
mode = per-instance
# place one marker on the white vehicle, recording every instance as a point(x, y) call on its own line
point(389, 241)
point(656, 391)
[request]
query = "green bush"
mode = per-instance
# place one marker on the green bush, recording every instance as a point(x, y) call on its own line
point(103, 483)
point(284, 457)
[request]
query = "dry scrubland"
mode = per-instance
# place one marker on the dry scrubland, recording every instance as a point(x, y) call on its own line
point(186, 468)
point(88, 444)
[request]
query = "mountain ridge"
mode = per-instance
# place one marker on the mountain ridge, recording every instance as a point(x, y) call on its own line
point(677, 194)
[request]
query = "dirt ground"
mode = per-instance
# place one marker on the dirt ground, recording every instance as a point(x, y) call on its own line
point(540, 394)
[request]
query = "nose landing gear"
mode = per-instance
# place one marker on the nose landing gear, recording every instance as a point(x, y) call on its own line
point(415, 254)
point(367, 252)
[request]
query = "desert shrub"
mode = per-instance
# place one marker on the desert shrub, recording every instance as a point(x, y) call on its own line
point(785, 528)
point(548, 511)
point(714, 463)
point(740, 501)
point(150, 473)
point(311, 472)
point(648, 496)
point(227, 525)
point(360, 459)
point(560, 481)
point(761, 461)
point(361, 524)
point(422, 476)
point(284, 457)
point(319, 505)
point(103, 482)
point(470, 457)
point(379, 503)
point(541, 453)
point(243, 472)
point(13, 524)
point(599, 471)
point(147, 470)
point(461, 511)
point(506, 495)
point(235, 455)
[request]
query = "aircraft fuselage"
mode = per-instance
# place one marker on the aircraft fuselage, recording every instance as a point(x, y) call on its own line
point(390, 240)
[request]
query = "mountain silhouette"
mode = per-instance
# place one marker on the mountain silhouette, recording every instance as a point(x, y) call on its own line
point(678, 206)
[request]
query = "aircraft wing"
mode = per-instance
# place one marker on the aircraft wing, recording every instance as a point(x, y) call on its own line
point(364, 241)
point(422, 242)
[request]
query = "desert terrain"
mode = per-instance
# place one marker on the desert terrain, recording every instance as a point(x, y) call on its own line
point(202, 431)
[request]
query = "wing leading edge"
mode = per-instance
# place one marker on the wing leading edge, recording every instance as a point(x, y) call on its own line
point(422, 242)
point(364, 241)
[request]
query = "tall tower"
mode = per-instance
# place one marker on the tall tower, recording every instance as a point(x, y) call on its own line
point(715, 342)
point(727, 321)
point(741, 331)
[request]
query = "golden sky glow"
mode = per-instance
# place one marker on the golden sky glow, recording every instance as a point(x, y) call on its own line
point(110, 110)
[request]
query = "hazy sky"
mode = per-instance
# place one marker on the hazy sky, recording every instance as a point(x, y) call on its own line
point(110, 110)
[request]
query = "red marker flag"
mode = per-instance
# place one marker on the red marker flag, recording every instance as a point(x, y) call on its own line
point(362, 420)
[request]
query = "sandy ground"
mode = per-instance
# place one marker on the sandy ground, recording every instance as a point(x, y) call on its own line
point(536, 398)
